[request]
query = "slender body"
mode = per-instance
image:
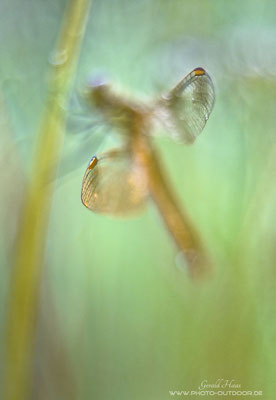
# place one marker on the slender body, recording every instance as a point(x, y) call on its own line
point(177, 221)
point(119, 181)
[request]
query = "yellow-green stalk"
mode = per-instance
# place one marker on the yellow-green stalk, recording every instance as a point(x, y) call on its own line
point(28, 259)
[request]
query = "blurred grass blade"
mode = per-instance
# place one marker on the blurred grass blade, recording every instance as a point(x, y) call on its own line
point(25, 280)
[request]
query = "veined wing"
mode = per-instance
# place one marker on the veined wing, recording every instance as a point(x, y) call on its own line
point(114, 184)
point(187, 107)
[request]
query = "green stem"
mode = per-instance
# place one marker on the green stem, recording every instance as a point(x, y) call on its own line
point(26, 274)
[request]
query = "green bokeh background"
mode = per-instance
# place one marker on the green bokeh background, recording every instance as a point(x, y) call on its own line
point(119, 318)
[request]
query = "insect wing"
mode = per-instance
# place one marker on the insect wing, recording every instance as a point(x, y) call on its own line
point(187, 107)
point(114, 184)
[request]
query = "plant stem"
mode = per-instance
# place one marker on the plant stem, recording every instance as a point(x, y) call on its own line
point(26, 274)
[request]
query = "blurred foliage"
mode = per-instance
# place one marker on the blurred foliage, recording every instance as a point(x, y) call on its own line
point(118, 318)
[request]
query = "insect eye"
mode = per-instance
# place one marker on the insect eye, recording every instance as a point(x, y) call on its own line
point(98, 81)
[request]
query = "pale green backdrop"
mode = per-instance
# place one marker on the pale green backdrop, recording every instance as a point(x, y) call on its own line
point(119, 318)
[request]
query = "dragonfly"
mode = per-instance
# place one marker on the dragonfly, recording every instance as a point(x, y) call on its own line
point(119, 182)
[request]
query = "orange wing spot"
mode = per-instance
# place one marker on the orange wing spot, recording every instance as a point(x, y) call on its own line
point(199, 71)
point(93, 163)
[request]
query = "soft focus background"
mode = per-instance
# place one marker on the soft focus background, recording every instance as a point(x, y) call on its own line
point(119, 318)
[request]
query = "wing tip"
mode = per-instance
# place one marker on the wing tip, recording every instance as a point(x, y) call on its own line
point(93, 162)
point(199, 71)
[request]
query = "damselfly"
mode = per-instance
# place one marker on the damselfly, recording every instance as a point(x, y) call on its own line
point(120, 181)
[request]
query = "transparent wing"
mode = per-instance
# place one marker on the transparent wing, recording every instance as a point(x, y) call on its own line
point(114, 184)
point(187, 107)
